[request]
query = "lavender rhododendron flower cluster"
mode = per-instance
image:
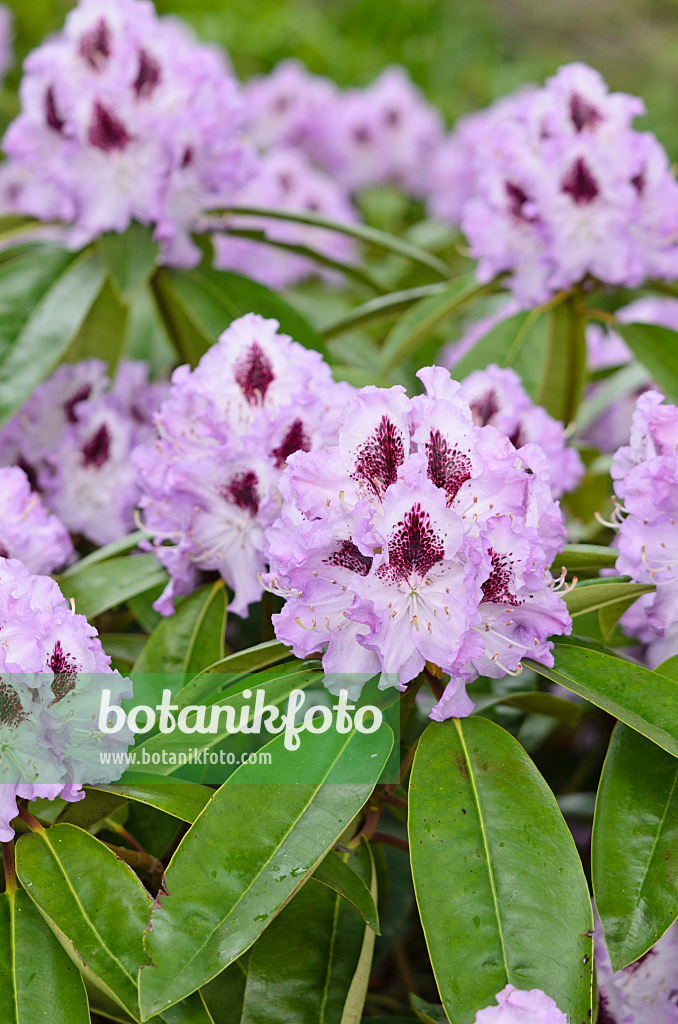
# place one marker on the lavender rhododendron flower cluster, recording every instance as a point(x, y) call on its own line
point(420, 537)
point(385, 133)
point(645, 474)
point(52, 671)
point(286, 180)
point(210, 480)
point(74, 438)
point(516, 1006)
point(28, 532)
point(562, 187)
point(125, 117)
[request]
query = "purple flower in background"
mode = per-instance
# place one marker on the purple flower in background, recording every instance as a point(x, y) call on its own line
point(497, 396)
point(210, 480)
point(125, 117)
point(645, 474)
point(384, 134)
point(516, 1006)
point(555, 185)
point(6, 41)
point(74, 438)
point(52, 671)
point(645, 992)
point(27, 530)
point(287, 181)
point(420, 537)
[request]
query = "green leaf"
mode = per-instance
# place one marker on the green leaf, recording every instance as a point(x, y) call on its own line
point(535, 702)
point(124, 646)
point(245, 857)
point(96, 905)
point(562, 381)
point(635, 845)
point(102, 334)
point(364, 232)
point(335, 871)
point(584, 557)
point(669, 668)
point(515, 907)
point(591, 595)
point(421, 320)
point(610, 614)
point(191, 638)
point(242, 663)
point(381, 308)
point(92, 810)
point(39, 335)
point(197, 305)
point(518, 342)
point(224, 995)
point(38, 981)
point(429, 1013)
point(105, 585)
point(657, 349)
point(117, 547)
point(182, 800)
point(130, 256)
point(302, 967)
point(642, 699)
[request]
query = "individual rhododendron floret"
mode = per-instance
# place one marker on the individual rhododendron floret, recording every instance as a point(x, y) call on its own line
point(225, 433)
point(53, 670)
point(645, 474)
point(287, 181)
point(560, 187)
point(645, 991)
point(517, 1006)
point(420, 537)
point(28, 532)
point(74, 438)
point(497, 396)
point(125, 117)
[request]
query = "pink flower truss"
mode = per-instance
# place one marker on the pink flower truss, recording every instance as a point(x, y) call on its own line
point(210, 480)
point(516, 1006)
point(420, 537)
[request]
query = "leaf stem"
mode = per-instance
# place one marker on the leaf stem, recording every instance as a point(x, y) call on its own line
point(33, 823)
point(9, 864)
point(387, 839)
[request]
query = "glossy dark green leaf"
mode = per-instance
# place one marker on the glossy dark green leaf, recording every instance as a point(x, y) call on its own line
point(224, 995)
point(642, 699)
point(302, 967)
point(96, 904)
point(635, 845)
point(117, 547)
point(123, 646)
point(515, 907)
point(336, 872)
point(590, 595)
point(182, 800)
point(38, 335)
point(518, 342)
point(39, 984)
point(130, 256)
point(423, 319)
point(103, 585)
point(584, 557)
point(248, 853)
point(610, 614)
point(657, 349)
point(381, 308)
point(92, 810)
point(364, 232)
point(203, 303)
point(562, 381)
point(190, 639)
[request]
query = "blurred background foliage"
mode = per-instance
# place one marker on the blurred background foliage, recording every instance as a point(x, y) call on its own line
point(463, 53)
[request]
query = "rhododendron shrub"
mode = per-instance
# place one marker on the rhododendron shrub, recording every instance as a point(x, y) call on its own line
point(338, 550)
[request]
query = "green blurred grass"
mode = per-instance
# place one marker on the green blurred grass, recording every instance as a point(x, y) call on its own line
point(463, 53)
